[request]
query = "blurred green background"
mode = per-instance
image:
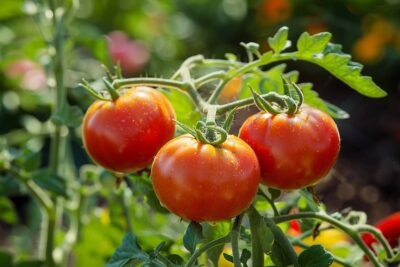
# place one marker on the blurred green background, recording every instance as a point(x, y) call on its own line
point(152, 38)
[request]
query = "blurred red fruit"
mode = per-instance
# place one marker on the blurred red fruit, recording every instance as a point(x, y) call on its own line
point(390, 228)
point(28, 74)
point(131, 55)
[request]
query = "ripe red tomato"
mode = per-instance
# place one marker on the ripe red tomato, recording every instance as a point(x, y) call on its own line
point(124, 135)
point(294, 151)
point(202, 182)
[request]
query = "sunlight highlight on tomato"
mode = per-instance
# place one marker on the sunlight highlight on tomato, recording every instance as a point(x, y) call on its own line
point(124, 135)
point(202, 182)
point(294, 151)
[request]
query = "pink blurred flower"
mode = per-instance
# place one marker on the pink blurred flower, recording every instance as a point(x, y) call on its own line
point(30, 75)
point(132, 55)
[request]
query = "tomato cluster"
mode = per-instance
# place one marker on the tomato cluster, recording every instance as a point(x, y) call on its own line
point(201, 181)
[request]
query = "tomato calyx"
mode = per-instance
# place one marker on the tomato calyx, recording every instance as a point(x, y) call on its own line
point(209, 132)
point(112, 91)
point(274, 103)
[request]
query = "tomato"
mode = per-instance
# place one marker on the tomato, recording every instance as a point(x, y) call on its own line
point(222, 262)
point(202, 182)
point(124, 135)
point(231, 90)
point(294, 151)
point(390, 228)
point(131, 55)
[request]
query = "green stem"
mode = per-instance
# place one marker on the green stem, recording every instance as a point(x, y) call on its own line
point(51, 230)
point(378, 235)
point(166, 83)
point(350, 230)
point(235, 233)
point(257, 253)
point(37, 192)
point(59, 107)
point(208, 78)
point(165, 260)
point(270, 201)
point(204, 248)
point(125, 210)
point(187, 64)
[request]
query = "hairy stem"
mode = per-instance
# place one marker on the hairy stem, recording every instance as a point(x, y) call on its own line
point(350, 230)
point(204, 248)
point(235, 233)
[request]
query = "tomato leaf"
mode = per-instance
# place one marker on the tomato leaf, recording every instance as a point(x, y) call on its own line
point(129, 250)
point(279, 256)
point(193, 235)
point(312, 44)
point(260, 231)
point(311, 98)
point(315, 256)
point(176, 259)
point(275, 193)
point(341, 67)
point(279, 41)
point(70, 116)
point(50, 182)
point(246, 255)
point(184, 107)
point(212, 232)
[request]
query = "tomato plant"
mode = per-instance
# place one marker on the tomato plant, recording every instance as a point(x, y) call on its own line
point(224, 178)
point(294, 150)
point(206, 179)
point(123, 135)
point(389, 226)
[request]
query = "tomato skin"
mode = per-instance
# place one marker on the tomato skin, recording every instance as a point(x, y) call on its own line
point(294, 151)
point(201, 182)
point(124, 135)
point(390, 228)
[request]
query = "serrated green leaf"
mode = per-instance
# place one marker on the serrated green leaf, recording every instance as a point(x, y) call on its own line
point(193, 235)
point(184, 107)
point(70, 116)
point(315, 256)
point(279, 41)
point(50, 182)
point(338, 65)
point(129, 250)
point(312, 99)
point(311, 45)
